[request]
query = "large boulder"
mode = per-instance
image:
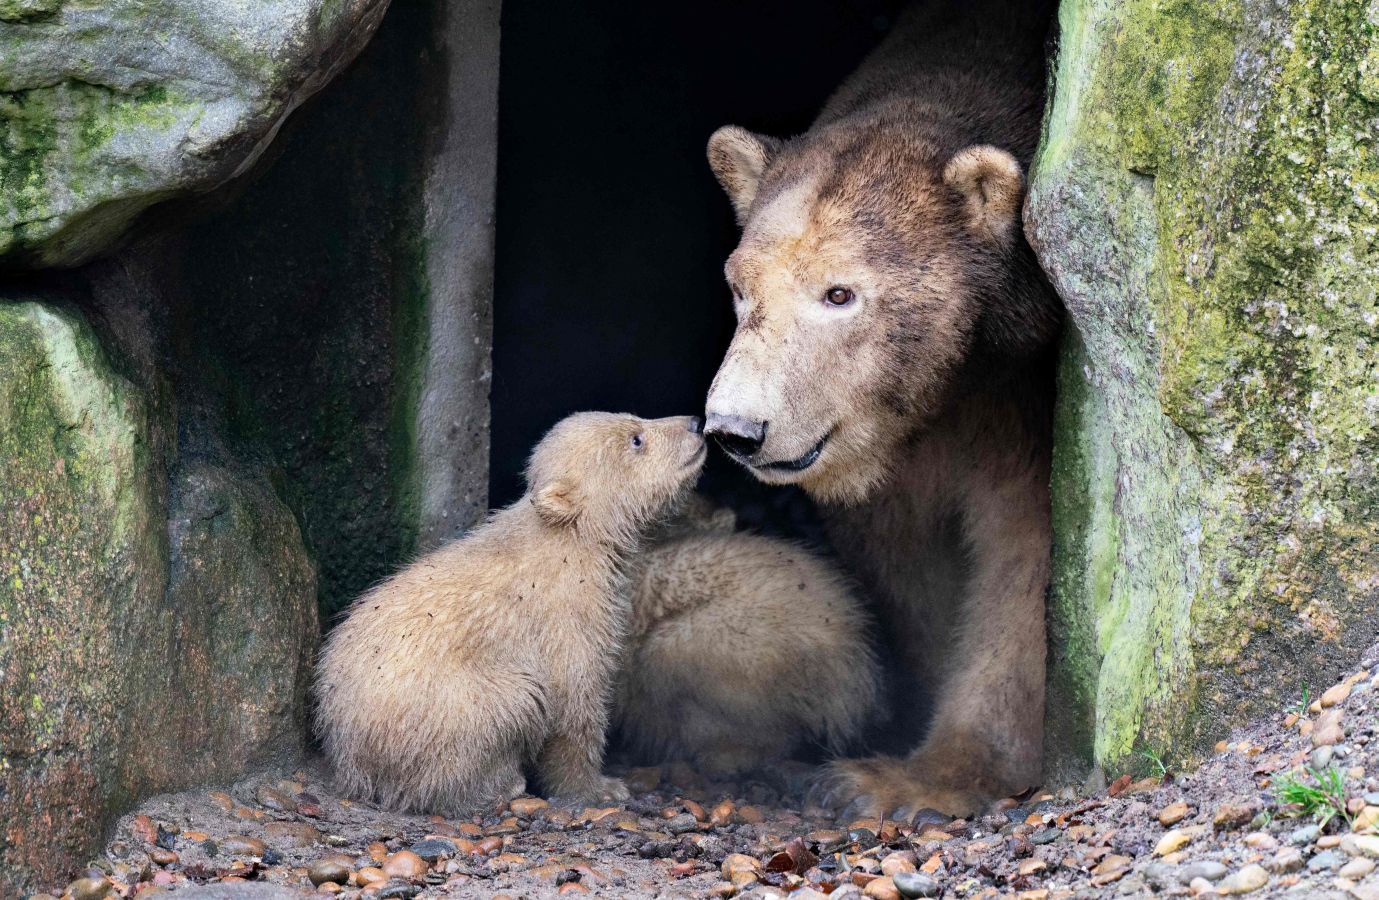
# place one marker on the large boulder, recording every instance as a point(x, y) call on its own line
point(107, 108)
point(154, 631)
point(1207, 203)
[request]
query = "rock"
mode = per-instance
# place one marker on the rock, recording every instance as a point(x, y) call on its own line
point(294, 835)
point(682, 823)
point(1328, 730)
point(881, 889)
point(113, 532)
point(1172, 814)
point(899, 861)
point(1208, 869)
point(1325, 861)
point(1356, 869)
point(1175, 840)
point(1249, 879)
point(1233, 815)
point(163, 857)
point(325, 870)
point(89, 888)
point(1321, 757)
point(371, 874)
point(275, 800)
point(405, 864)
point(1367, 844)
point(1335, 694)
point(722, 813)
point(1304, 835)
point(116, 116)
point(527, 806)
point(1044, 836)
point(915, 884)
point(241, 845)
point(1367, 819)
point(1289, 859)
point(1199, 263)
point(398, 890)
point(1260, 840)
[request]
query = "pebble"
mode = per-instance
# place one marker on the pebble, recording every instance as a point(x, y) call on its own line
point(241, 845)
point(1289, 859)
point(1304, 835)
point(1328, 729)
point(899, 861)
point(398, 890)
point(1260, 840)
point(1251, 878)
point(527, 806)
point(404, 864)
point(882, 889)
point(1233, 815)
point(370, 874)
point(1176, 839)
point(1356, 869)
point(324, 870)
point(1046, 836)
point(1172, 814)
point(722, 814)
point(163, 857)
point(682, 823)
point(292, 834)
point(1208, 869)
point(915, 884)
point(1367, 844)
point(433, 849)
point(89, 888)
point(1326, 861)
point(275, 800)
point(1366, 819)
point(1335, 694)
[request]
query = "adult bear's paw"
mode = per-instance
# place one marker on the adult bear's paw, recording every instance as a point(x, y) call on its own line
point(888, 786)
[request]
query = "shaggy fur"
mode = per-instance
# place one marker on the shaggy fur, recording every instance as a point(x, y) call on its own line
point(498, 649)
point(917, 410)
point(724, 627)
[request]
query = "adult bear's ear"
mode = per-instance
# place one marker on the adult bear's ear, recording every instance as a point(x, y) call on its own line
point(739, 158)
point(557, 502)
point(993, 189)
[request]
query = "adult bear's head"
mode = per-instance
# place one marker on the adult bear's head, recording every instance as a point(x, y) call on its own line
point(872, 265)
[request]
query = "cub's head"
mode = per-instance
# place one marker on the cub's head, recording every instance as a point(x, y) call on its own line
point(610, 475)
point(871, 265)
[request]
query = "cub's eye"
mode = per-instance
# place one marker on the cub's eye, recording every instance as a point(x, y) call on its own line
point(838, 296)
point(636, 442)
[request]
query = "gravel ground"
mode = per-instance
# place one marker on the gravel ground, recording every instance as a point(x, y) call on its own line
point(1287, 807)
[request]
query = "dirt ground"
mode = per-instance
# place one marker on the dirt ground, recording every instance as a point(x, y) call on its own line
point(1286, 807)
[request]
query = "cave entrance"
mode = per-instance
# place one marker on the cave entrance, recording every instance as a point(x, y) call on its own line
point(611, 231)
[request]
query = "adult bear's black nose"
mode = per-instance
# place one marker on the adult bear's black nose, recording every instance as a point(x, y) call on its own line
point(739, 436)
point(695, 425)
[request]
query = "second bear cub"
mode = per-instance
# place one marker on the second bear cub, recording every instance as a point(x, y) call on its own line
point(499, 649)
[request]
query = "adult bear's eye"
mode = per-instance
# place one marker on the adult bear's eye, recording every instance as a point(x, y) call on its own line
point(636, 442)
point(838, 296)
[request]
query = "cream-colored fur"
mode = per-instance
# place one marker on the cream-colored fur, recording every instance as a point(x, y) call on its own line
point(742, 648)
point(893, 358)
point(498, 649)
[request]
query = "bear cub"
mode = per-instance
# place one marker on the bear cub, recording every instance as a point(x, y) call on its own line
point(498, 650)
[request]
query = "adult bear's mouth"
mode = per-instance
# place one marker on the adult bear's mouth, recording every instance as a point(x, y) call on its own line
point(799, 463)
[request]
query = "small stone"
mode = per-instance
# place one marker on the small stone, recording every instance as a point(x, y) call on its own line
point(1289, 859)
point(143, 828)
point(92, 888)
point(1326, 861)
point(1261, 840)
point(370, 874)
point(1251, 878)
point(1045, 836)
point(222, 800)
point(881, 889)
point(433, 849)
point(163, 857)
point(682, 823)
point(275, 800)
point(1174, 840)
point(404, 864)
point(1335, 694)
point(899, 861)
point(1328, 841)
point(1356, 869)
point(695, 810)
point(1208, 869)
point(296, 835)
point(1172, 814)
point(1367, 819)
point(1367, 844)
point(241, 845)
point(1328, 729)
point(397, 890)
point(1233, 815)
point(723, 889)
point(722, 813)
point(488, 846)
point(324, 870)
point(1304, 835)
point(527, 806)
point(749, 815)
point(1032, 866)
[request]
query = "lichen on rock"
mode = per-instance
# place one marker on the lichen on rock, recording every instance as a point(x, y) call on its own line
point(106, 109)
point(1206, 201)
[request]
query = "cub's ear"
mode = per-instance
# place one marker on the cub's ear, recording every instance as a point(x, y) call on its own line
point(993, 187)
point(557, 502)
point(739, 158)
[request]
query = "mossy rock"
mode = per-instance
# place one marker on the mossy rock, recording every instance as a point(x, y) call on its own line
point(150, 636)
point(108, 108)
point(1207, 203)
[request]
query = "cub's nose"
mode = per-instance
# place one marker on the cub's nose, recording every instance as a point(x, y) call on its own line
point(695, 425)
point(739, 436)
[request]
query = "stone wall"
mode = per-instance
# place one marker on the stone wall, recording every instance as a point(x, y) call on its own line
point(1206, 201)
point(224, 342)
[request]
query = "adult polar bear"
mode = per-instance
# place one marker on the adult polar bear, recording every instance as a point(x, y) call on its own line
point(893, 358)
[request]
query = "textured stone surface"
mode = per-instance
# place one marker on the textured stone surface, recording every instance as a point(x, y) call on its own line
point(203, 625)
point(108, 108)
point(1207, 203)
